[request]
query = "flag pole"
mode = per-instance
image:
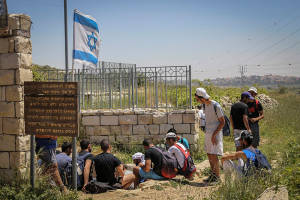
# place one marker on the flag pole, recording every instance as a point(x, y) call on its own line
point(66, 40)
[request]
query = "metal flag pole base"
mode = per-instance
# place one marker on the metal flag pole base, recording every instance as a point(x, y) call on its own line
point(74, 164)
point(32, 166)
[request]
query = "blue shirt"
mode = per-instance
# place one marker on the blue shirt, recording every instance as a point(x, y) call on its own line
point(250, 155)
point(62, 161)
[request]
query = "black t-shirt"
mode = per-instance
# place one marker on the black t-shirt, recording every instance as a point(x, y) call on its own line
point(237, 111)
point(253, 109)
point(156, 158)
point(105, 165)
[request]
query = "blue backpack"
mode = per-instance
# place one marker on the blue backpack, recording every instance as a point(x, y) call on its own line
point(259, 163)
point(80, 170)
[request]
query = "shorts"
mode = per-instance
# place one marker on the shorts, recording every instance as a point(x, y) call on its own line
point(236, 134)
point(47, 156)
point(210, 148)
point(150, 175)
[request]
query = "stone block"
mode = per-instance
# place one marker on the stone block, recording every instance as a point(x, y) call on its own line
point(128, 112)
point(102, 130)
point(140, 130)
point(17, 159)
point(193, 111)
point(19, 22)
point(23, 75)
point(97, 139)
point(112, 139)
point(2, 93)
point(13, 126)
point(126, 129)
point(91, 121)
point(108, 112)
point(145, 119)
point(0, 125)
point(136, 139)
point(163, 128)
point(109, 120)
point(182, 128)
point(128, 119)
point(194, 128)
point(4, 160)
point(23, 143)
point(89, 130)
point(189, 118)
point(14, 93)
point(115, 130)
point(160, 118)
point(7, 175)
point(15, 60)
point(22, 45)
point(19, 106)
point(191, 138)
point(7, 109)
point(174, 118)
point(158, 139)
point(4, 45)
point(153, 129)
point(7, 77)
point(122, 139)
point(7, 143)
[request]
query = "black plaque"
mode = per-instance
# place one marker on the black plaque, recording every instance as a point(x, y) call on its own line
point(51, 108)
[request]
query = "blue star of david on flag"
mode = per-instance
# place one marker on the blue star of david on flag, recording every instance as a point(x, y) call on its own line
point(93, 44)
point(86, 40)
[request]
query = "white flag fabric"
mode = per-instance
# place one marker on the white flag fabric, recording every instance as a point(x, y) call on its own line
point(86, 40)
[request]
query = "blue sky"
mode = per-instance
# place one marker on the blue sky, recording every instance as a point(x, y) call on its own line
point(215, 37)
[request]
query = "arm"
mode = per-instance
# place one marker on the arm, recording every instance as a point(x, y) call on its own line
point(234, 156)
point(245, 120)
point(231, 122)
point(219, 128)
point(86, 172)
point(261, 116)
point(147, 166)
point(120, 170)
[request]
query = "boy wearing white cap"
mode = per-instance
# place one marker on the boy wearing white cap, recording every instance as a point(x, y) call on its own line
point(215, 121)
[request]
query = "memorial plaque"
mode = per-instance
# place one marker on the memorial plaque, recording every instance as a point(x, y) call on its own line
point(51, 108)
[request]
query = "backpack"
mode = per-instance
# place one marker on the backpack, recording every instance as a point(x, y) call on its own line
point(253, 109)
point(226, 127)
point(80, 170)
point(189, 167)
point(260, 162)
point(169, 164)
point(184, 142)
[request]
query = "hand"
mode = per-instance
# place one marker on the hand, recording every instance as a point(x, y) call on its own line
point(83, 188)
point(214, 139)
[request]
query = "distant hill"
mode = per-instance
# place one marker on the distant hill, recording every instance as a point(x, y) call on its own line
point(266, 80)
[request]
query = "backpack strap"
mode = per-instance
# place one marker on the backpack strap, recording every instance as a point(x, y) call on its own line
point(186, 155)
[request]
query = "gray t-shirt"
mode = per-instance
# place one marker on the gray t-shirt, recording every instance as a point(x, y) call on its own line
point(211, 116)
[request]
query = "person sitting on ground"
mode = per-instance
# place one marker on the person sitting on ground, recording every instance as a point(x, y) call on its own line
point(106, 164)
point(245, 157)
point(180, 139)
point(86, 157)
point(45, 149)
point(64, 161)
point(179, 151)
point(138, 159)
point(152, 156)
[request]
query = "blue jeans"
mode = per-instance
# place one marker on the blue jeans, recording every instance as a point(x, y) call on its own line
point(150, 175)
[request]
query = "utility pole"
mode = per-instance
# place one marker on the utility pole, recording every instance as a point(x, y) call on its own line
point(243, 70)
point(66, 40)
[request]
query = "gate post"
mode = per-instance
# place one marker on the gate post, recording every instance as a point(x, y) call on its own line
point(15, 68)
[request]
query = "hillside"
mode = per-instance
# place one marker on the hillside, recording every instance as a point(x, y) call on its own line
point(266, 80)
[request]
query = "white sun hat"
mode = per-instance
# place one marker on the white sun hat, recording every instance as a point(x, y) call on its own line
point(201, 92)
point(253, 89)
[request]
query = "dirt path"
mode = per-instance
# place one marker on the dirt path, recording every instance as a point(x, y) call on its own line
point(178, 188)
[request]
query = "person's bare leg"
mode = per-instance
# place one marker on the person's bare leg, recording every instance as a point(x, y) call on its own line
point(214, 164)
point(137, 176)
point(210, 162)
point(128, 180)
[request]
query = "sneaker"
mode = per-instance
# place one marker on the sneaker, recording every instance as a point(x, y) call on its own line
point(214, 180)
point(208, 178)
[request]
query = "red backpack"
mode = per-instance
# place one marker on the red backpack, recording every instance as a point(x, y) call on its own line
point(189, 167)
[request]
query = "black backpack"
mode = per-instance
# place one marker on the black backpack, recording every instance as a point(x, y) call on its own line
point(226, 127)
point(169, 164)
point(189, 167)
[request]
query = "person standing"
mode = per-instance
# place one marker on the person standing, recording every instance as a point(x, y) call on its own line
point(239, 117)
point(215, 121)
point(255, 114)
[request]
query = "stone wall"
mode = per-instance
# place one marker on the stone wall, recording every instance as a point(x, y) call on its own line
point(132, 127)
point(15, 62)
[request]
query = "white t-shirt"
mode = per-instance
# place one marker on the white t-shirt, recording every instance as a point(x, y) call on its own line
point(211, 118)
point(178, 154)
point(202, 117)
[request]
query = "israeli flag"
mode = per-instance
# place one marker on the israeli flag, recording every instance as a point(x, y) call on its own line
point(86, 40)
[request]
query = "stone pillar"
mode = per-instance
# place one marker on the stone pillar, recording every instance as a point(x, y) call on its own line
point(15, 68)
